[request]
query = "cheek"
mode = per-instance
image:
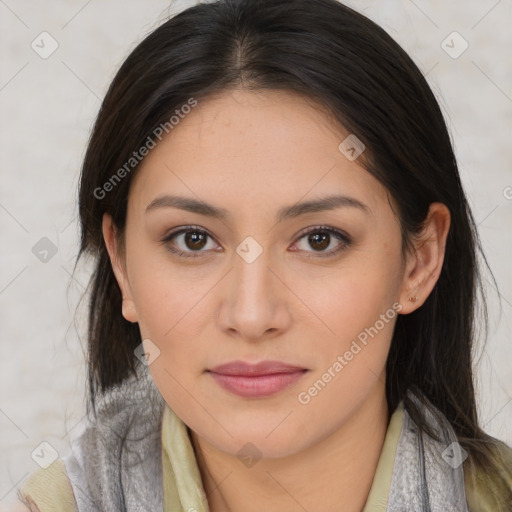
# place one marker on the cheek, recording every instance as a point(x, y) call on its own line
point(350, 362)
point(172, 315)
point(166, 295)
point(356, 310)
point(172, 312)
point(174, 319)
point(351, 297)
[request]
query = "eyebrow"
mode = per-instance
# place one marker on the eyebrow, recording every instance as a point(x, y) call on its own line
point(288, 212)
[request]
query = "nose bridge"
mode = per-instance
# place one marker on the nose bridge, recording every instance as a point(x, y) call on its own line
point(252, 277)
point(253, 301)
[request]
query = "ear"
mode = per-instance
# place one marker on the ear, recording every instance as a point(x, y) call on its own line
point(118, 266)
point(424, 265)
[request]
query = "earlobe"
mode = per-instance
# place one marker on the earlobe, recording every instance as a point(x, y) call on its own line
point(128, 310)
point(116, 260)
point(424, 265)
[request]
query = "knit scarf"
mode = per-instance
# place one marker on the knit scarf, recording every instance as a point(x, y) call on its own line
point(115, 464)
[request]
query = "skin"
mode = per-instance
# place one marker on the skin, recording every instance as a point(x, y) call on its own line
point(253, 153)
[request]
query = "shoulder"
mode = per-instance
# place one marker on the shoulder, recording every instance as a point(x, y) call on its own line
point(489, 486)
point(47, 490)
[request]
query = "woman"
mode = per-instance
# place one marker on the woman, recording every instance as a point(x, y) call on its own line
point(282, 310)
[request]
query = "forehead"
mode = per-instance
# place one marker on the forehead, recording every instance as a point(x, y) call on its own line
point(257, 147)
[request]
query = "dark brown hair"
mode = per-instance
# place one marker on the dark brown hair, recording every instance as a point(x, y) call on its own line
point(340, 58)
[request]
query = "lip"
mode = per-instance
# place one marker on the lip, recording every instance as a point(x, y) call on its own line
point(256, 380)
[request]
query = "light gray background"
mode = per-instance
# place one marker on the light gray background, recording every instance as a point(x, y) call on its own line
point(47, 107)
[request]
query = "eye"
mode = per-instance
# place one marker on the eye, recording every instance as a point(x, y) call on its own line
point(192, 239)
point(189, 240)
point(322, 237)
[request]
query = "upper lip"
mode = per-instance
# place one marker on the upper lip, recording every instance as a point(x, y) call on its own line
point(249, 369)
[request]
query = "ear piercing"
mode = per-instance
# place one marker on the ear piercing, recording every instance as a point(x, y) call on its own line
point(413, 299)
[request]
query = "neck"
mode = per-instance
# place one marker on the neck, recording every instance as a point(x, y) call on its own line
point(338, 470)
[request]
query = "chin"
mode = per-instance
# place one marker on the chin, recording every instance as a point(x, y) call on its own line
point(258, 440)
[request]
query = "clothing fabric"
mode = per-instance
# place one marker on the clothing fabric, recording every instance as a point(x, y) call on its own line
point(138, 456)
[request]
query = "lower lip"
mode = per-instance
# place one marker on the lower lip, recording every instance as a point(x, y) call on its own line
point(257, 386)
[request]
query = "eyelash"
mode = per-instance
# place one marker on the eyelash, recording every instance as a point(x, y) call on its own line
point(339, 235)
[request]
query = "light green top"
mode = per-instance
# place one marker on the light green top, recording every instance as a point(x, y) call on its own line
point(50, 490)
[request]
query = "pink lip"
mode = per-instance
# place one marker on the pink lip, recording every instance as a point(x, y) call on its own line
point(256, 380)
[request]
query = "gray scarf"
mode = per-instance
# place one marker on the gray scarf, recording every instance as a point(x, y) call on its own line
point(116, 463)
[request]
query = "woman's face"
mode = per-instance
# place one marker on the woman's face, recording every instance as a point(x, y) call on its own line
point(265, 279)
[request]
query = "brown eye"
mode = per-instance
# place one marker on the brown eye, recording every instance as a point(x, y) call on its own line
point(195, 240)
point(319, 239)
point(188, 241)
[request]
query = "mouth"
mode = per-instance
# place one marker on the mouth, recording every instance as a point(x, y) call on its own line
point(256, 380)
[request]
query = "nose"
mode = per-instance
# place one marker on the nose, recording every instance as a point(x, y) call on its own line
point(255, 302)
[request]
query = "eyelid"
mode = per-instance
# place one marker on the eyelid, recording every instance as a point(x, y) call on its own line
point(339, 234)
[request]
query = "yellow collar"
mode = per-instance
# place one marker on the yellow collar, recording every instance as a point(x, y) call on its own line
point(183, 487)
